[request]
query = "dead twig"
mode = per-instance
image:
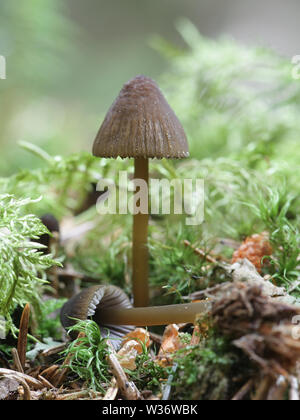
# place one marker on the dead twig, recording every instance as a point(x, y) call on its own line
point(241, 394)
point(127, 388)
point(45, 382)
point(112, 391)
point(17, 363)
point(26, 396)
point(201, 253)
point(50, 372)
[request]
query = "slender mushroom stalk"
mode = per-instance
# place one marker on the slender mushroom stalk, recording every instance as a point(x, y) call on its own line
point(141, 125)
point(152, 315)
point(140, 266)
point(110, 308)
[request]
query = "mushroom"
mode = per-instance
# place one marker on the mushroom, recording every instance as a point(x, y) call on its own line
point(52, 225)
point(141, 125)
point(111, 309)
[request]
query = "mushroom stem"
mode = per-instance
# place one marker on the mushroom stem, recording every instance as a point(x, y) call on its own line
point(140, 268)
point(150, 316)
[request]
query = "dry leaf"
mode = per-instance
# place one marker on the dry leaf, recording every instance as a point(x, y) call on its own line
point(139, 335)
point(171, 340)
point(127, 355)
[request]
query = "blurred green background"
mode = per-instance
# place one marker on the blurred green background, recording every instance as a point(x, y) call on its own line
point(67, 59)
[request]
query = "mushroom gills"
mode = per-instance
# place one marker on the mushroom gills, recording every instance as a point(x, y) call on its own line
point(85, 305)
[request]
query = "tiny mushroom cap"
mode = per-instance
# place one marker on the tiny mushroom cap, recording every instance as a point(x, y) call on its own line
point(141, 124)
point(86, 305)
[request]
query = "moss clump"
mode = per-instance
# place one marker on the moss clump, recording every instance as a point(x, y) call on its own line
point(87, 356)
point(208, 371)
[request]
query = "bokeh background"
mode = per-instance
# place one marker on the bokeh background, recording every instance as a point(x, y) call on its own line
point(67, 59)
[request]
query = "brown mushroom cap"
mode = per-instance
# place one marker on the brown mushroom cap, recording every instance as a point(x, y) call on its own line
point(85, 305)
point(141, 124)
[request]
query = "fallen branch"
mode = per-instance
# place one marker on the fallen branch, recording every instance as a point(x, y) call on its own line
point(127, 388)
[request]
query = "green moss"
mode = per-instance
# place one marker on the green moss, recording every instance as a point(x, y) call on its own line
point(87, 356)
point(208, 371)
point(22, 263)
point(148, 375)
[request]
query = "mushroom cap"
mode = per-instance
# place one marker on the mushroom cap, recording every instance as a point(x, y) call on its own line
point(85, 305)
point(141, 124)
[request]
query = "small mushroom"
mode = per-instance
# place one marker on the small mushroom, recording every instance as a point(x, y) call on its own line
point(110, 308)
point(141, 125)
point(52, 225)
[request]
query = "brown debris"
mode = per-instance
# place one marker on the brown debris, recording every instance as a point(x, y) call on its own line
point(260, 326)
